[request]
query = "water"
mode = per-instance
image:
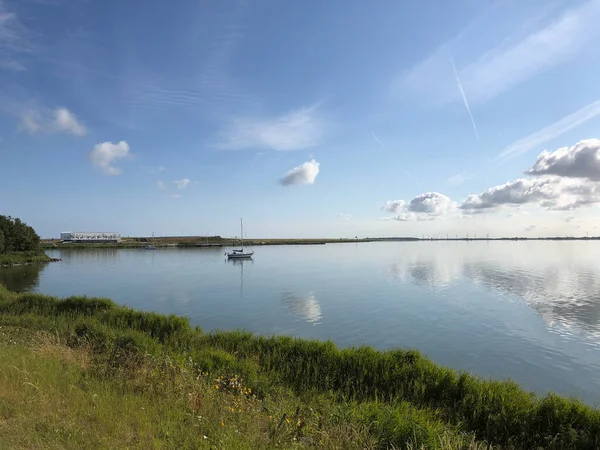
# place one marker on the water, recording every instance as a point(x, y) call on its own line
point(529, 311)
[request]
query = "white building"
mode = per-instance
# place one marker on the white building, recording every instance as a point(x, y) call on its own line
point(90, 237)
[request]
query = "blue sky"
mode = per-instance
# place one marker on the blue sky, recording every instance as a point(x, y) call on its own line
point(308, 119)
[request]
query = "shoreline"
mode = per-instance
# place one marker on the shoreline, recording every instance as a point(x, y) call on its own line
point(14, 259)
point(217, 242)
point(405, 394)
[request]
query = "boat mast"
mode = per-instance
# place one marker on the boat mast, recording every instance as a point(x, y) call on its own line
point(242, 233)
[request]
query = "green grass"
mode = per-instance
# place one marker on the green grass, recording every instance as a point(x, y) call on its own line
point(16, 258)
point(305, 394)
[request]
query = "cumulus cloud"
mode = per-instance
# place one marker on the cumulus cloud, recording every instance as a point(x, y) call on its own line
point(426, 206)
point(515, 192)
point(431, 203)
point(182, 184)
point(582, 160)
point(574, 194)
point(59, 120)
point(106, 154)
point(305, 173)
point(562, 180)
point(394, 206)
point(296, 130)
point(550, 193)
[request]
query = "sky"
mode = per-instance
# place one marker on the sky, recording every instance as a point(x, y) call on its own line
point(308, 119)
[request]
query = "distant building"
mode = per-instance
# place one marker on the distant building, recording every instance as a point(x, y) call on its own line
point(90, 237)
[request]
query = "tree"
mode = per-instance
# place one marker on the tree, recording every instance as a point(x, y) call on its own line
point(17, 236)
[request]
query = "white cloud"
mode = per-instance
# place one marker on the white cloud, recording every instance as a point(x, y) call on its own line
point(558, 194)
point(426, 206)
point(394, 206)
point(509, 62)
point(345, 216)
point(574, 194)
point(162, 169)
point(65, 120)
point(431, 203)
point(56, 121)
point(175, 195)
point(305, 173)
point(515, 192)
point(293, 131)
point(582, 160)
point(182, 184)
point(551, 131)
point(106, 154)
point(161, 185)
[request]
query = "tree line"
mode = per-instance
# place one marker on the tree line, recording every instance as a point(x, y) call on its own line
point(17, 236)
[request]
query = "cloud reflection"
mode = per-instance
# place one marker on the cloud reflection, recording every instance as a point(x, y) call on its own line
point(306, 307)
point(566, 296)
point(561, 283)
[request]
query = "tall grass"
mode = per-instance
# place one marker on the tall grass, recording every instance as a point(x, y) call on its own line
point(395, 392)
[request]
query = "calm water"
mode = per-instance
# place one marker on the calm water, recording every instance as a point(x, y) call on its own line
point(529, 311)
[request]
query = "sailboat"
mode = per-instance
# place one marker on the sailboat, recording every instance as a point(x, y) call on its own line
point(239, 253)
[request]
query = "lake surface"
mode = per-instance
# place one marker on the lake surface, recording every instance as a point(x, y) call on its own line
point(529, 311)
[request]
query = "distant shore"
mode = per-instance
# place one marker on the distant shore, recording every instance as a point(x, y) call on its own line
point(217, 241)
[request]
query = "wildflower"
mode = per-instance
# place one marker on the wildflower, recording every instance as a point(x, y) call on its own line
point(287, 420)
point(222, 424)
point(216, 387)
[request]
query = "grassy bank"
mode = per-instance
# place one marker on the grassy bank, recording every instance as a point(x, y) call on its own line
point(146, 380)
point(17, 258)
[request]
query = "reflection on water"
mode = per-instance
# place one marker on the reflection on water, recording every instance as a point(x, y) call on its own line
point(84, 255)
point(306, 307)
point(438, 269)
point(240, 263)
point(564, 290)
point(568, 296)
point(21, 278)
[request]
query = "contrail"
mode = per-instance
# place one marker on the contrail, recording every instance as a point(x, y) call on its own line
point(379, 142)
point(462, 91)
point(405, 171)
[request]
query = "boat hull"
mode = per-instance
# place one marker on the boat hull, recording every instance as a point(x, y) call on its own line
point(240, 255)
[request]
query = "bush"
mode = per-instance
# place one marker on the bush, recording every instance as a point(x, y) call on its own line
point(17, 236)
